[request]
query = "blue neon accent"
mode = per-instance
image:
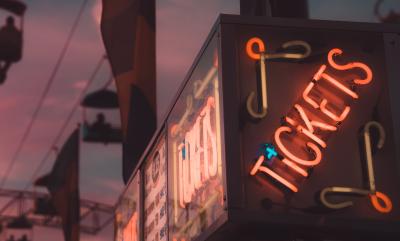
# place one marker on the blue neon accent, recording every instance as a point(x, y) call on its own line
point(270, 151)
point(183, 153)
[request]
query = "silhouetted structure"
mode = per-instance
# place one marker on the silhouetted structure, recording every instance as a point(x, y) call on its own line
point(10, 46)
point(19, 229)
point(391, 17)
point(39, 209)
point(23, 238)
point(63, 184)
point(11, 40)
point(274, 8)
point(11, 238)
point(100, 131)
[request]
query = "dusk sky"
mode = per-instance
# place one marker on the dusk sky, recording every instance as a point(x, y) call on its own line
point(182, 26)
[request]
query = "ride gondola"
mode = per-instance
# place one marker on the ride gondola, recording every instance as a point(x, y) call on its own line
point(11, 37)
point(100, 131)
point(19, 229)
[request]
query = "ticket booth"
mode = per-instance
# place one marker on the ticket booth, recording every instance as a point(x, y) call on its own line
point(282, 130)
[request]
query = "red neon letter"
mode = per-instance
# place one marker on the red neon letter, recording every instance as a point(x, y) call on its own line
point(293, 157)
point(257, 167)
point(331, 115)
point(209, 141)
point(295, 167)
point(352, 65)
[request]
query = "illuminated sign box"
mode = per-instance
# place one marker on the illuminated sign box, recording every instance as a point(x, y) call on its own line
point(282, 129)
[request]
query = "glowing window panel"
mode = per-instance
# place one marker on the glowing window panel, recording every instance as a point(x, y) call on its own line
point(194, 149)
point(155, 194)
point(127, 221)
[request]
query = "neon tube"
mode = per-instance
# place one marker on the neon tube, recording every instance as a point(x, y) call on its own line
point(180, 173)
point(290, 121)
point(352, 65)
point(249, 48)
point(339, 85)
point(317, 76)
point(310, 129)
point(311, 136)
point(304, 117)
point(386, 208)
point(368, 150)
point(218, 125)
point(293, 157)
point(209, 135)
point(175, 176)
point(330, 114)
point(324, 126)
point(258, 167)
point(264, 90)
point(296, 168)
point(199, 91)
point(194, 155)
point(307, 98)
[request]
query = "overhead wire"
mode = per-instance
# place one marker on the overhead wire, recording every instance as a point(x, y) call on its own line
point(44, 94)
point(66, 122)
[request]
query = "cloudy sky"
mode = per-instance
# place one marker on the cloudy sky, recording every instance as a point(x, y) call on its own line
point(182, 26)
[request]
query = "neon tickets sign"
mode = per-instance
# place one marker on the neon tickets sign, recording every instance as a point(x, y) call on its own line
point(130, 231)
point(197, 155)
point(300, 141)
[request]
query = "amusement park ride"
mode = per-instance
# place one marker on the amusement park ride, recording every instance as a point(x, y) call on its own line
point(21, 210)
point(282, 129)
point(11, 38)
point(34, 208)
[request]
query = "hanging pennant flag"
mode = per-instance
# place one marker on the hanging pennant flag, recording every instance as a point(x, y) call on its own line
point(63, 184)
point(128, 30)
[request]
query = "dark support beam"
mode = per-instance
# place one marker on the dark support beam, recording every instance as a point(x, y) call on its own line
point(275, 8)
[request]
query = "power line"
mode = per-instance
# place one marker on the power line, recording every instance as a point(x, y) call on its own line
point(44, 94)
point(66, 122)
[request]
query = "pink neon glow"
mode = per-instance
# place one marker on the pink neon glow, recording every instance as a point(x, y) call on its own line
point(331, 115)
point(307, 98)
point(201, 155)
point(249, 48)
point(383, 206)
point(209, 139)
point(324, 126)
point(317, 75)
point(188, 185)
point(195, 151)
point(258, 167)
point(296, 168)
point(352, 65)
point(309, 131)
point(304, 117)
point(130, 231)
point(339, 85)
point(312, 136)
point(290, 121)
point(293, 157)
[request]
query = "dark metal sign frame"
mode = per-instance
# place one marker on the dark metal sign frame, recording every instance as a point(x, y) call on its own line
point(241, 220)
